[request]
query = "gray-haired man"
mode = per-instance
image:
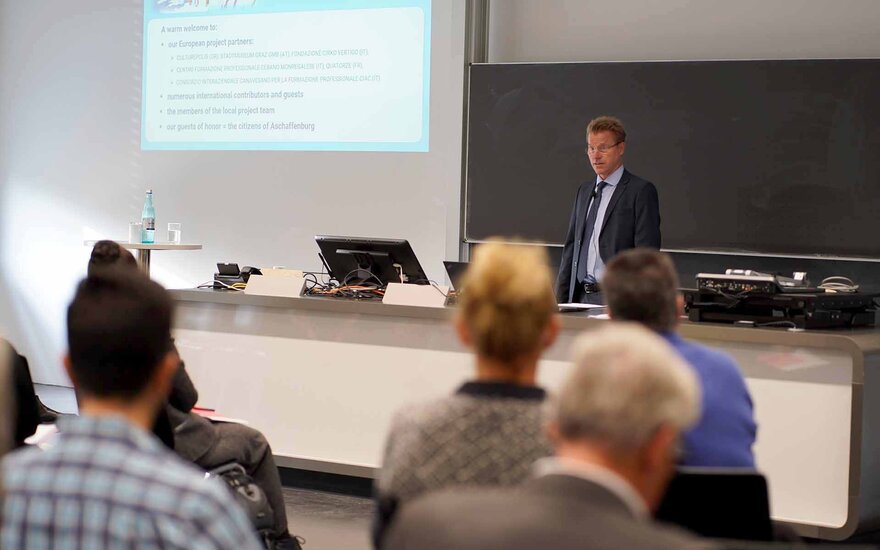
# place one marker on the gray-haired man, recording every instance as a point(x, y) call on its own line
point(615, 425)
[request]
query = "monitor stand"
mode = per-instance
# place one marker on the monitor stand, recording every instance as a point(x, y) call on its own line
point(366, 271)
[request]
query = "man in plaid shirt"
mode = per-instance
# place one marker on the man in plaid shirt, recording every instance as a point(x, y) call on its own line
point(108, 482)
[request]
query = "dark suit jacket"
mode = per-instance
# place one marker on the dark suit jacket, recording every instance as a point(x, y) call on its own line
point(189, 434)
point(27, 412)
point(631, 220)
point(555, 511)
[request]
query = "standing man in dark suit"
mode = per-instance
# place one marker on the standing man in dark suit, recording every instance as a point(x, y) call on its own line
point(617, 211)
point(615, 425)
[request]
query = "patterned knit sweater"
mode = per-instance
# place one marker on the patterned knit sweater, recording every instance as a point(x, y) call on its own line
point(487, 433)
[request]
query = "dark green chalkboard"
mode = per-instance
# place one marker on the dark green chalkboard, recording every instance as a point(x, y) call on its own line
point(774, 157)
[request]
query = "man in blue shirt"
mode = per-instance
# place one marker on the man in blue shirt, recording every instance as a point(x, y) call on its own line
point(641, 285)
point(616, 211)
point(108, 482)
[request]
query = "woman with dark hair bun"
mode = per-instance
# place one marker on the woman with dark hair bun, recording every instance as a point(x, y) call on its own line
point(109, 253)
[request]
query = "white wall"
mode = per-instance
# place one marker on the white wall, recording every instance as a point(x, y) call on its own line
point(626, 30)
point(71, 166)
point(71, 169)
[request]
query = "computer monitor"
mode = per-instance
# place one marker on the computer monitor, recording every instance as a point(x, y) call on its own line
point(456, 271)
point(360, 260)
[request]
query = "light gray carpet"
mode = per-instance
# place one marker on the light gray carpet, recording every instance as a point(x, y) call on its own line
point(329, 521)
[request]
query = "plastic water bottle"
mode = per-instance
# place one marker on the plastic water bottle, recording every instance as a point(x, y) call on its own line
point(148, 218)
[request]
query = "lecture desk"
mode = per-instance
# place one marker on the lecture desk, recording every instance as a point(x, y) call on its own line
point(321, 378)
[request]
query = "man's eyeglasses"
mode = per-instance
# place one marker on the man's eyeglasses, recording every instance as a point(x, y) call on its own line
point(590, 150)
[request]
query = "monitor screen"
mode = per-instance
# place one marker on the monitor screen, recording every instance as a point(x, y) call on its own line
point(456, 271)
point(362, 260)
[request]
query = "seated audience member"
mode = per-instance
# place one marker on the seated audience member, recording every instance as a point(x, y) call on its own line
point(107, 482)
point(641, 285)
point(197, 439)
point(27, 404)
point(7, 403)
point(615, 425)
point(110, 254)
point(30, 411)
point(490, 431)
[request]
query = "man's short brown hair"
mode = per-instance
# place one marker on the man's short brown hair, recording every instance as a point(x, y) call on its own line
point(118, 332)
point(607, 124)
point(641, 285)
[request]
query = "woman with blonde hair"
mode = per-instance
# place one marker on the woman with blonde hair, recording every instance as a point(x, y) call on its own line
point(490, 431)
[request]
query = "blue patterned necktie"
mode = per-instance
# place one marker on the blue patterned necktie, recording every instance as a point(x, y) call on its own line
point(588, 234)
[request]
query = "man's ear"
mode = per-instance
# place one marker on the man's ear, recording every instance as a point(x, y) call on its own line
point(164, 373)
point(660, 451)
point(68, 368)
point(656, 464)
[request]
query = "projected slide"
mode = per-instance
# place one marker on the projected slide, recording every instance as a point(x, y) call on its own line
point(310, 75)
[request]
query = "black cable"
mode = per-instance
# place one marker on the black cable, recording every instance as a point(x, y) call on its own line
point(313, 280)
point(322, 274)
point(223, 286)
point(344, 281)
point(735, 299)
point(368, 292)
point(433, 284)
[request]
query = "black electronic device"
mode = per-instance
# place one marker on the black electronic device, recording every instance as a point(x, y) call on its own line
point(226, 281)
point(228, 269)
point(229, 274)
point(456, 270)
point(794, 310)
point(719, 503)
point(247, 271)
point(361, 260)
point(745, 281)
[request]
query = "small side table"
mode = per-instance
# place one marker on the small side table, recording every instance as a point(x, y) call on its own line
point(142, 250)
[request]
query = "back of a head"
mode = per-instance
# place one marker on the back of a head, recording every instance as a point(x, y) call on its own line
point(118, 330)
point(109, 254)
point(509, 301)
point(626, 383)
point(641, 285)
